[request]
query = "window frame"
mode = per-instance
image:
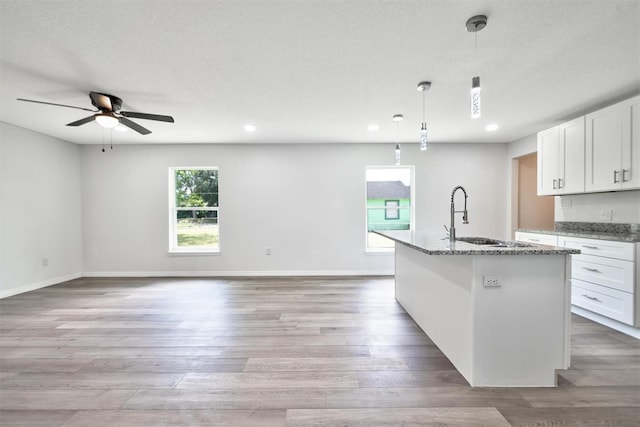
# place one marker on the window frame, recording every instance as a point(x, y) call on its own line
point(173, 211)
point(383, 250)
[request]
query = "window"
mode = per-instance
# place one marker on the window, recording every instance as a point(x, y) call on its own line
point(193, 206)
point(391, 211)
point(389, 206)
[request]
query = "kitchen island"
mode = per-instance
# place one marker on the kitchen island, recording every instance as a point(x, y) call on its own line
point(500, 312)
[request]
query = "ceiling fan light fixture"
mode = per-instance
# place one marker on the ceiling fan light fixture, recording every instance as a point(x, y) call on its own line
point(107, 120)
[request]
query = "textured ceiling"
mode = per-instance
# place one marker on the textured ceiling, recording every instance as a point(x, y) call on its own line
point(315, 71)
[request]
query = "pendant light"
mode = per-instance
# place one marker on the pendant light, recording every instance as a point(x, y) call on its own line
point(473, 25)
point(423, 87)
point(397, 118)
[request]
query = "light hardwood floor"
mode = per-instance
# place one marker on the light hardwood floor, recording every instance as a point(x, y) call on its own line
point(272, 352)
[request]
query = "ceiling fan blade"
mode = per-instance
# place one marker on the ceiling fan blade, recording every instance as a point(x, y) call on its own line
point(147, 116)
point(101, 101)
point(128, 123)
point(82, 121)
point(53, 103)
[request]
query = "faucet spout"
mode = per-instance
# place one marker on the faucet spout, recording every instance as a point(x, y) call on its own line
point(465, 215)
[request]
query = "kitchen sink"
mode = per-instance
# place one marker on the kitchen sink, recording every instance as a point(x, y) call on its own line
point(485, 241)
point(479, 240)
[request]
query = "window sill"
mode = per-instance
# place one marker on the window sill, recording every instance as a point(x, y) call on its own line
point(192, 252)
point(384, 251)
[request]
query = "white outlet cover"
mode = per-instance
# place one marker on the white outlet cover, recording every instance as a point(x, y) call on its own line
point(606, 215)
point(491, 281)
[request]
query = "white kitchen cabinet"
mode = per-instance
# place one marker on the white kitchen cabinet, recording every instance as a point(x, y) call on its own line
point(613, 147)
point(561, 159)
point(537, 238)
point(603, 278)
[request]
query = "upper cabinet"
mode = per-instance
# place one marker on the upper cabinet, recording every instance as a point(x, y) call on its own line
point(561, 159)
point(593, 153)
point(613, 147)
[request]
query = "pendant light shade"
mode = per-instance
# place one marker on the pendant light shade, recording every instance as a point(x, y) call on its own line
point(424, 87)
point(397, 118)
point(475, 98)
point(473, 25)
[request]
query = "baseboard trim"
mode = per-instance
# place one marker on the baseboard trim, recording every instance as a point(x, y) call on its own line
point(613, 324)
point(305, 273)
point(33, 286)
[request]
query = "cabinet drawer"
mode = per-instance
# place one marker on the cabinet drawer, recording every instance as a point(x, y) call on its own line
point(605, 248)
point(610, 272)
point(606, 301)
point(535, 238)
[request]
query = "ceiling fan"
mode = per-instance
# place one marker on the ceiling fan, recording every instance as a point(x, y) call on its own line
point(108, 113)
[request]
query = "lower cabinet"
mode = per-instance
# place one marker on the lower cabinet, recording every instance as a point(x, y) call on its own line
point(608, 302)
point(536, 238)
point(603, 278)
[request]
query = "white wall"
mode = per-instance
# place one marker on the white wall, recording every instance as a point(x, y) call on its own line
point(624, 205)
point(479, 168)
point(40, 210)
point(304, 201)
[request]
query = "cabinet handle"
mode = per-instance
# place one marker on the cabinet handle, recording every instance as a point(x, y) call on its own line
point(560, 184)
point(615, 177)
point(594, 270)
point(534, 240)
point(591, 298)
point(555, 186)
point(624, 175)
point(590, 247)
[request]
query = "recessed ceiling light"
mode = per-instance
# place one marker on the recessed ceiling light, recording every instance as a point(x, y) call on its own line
point(492, 127)
point(373, 128)
point(250, 128)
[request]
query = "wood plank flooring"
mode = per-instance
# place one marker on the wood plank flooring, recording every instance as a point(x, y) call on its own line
point(273, 352)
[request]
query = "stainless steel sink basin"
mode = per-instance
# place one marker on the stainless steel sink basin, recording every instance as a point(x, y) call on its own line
point(479, 240)
point(493, 243)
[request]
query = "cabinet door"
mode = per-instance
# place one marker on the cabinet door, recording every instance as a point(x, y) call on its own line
point(548, 162)
point(631, 144)
point(538, 239)
point(604, 149)
point(571, 157)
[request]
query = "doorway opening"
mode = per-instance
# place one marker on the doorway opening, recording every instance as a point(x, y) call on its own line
point(530, 210)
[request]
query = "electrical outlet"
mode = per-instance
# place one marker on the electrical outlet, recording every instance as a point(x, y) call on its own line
point(565, 203)
point(267, 251)
point(491, 281)
point(45, 261)
point(605, 215)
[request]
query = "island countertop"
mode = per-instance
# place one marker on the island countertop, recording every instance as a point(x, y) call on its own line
point(431, 245)
point(592, 230)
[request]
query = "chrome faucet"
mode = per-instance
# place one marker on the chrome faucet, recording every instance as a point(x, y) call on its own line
point(465, 218)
